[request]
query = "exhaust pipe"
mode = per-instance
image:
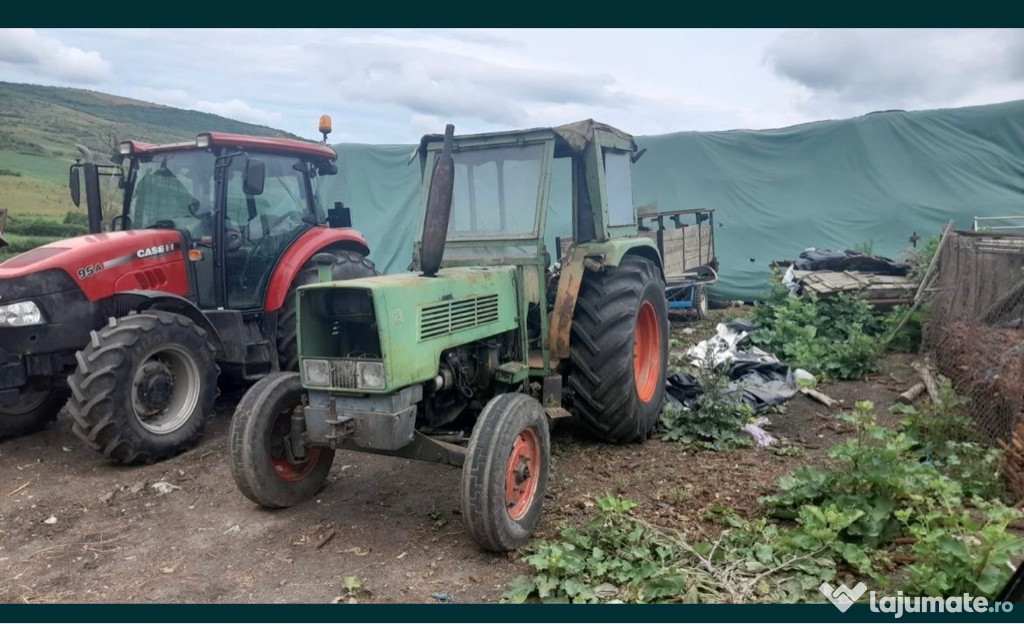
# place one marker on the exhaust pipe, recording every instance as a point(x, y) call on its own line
point(439, 208)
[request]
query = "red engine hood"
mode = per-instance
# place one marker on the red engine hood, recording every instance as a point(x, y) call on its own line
point(71, 254)
point(97, 261)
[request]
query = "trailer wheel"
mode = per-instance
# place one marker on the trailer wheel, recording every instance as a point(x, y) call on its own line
point(347, 265)
point(506, 472)
point(260, 463)
point(619, 351)
point(700, 301)
point(144, 388)
point(37, 406)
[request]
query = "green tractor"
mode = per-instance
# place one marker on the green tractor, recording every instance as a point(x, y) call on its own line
point(464, 359)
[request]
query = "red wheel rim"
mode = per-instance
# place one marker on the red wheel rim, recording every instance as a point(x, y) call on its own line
point(647, 352)
point(522, 473)
point(290, 472)
point(284, 469)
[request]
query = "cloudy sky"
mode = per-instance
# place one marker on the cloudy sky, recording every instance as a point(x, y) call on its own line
point(391, 86)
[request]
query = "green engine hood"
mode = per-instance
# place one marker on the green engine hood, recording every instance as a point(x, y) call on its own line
point(416, 318)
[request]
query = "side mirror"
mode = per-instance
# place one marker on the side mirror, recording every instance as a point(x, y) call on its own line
point(327, 168)
point(339, 216)
point(255, 176)
point(75, 186)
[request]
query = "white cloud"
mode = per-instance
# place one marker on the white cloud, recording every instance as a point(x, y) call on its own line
point(415, 77)
point(28, 50)
point(898, 68)
point(237, 109)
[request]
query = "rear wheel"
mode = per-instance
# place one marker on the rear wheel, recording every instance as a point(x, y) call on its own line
point(619, 347)
point(144, 388)
point(506, 472)
point(261, 462)
point(37, 406)
point(346, 265)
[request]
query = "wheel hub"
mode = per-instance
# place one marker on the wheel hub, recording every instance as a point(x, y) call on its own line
point(165, 389)
point(154, 387)
point(287, 469)
point(521, 473)
point(647, 352)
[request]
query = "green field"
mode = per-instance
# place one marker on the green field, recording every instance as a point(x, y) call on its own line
point(47, 168)
point(41, 126)
point(36, 197)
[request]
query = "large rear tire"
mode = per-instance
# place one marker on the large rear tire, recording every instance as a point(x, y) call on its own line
point(347, 265)
point(259, 462)
point(144, 388)
point(619, 351)
point(36, 407)
point(506, 472)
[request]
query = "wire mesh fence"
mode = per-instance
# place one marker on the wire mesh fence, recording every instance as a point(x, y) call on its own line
point(974, 330)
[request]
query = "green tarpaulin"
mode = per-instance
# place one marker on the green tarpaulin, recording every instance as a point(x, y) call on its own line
point(832, 184)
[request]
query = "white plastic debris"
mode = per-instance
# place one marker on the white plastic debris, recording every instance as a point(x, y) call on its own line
point(802, 375)
point(163, 487)
point(720, 346)
point(50, 520)
point(789, 281)
point(754, 430)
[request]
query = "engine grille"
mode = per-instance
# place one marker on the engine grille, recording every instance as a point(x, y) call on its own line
point(440, 319)
point(343, 374)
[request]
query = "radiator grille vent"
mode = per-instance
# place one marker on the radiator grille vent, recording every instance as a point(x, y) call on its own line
point(343, 374)
point(448, 317)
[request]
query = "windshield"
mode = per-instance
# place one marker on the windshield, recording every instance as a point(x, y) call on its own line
point(496, 192)
point(173, 190)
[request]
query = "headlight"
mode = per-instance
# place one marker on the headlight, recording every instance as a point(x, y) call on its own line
point(317, 372)
point(370, 375)
point(20, 314)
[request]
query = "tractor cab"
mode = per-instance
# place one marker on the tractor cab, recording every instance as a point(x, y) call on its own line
point(238, 202)
point(503, 187)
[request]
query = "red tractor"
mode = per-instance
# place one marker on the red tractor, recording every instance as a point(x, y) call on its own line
point(193, 276)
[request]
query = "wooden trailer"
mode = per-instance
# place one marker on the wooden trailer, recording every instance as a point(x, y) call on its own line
point(686, 240)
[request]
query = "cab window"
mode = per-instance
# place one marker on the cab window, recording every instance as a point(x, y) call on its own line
point(259, 228)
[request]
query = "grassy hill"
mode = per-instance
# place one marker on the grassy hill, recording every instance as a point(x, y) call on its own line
point(39, 127)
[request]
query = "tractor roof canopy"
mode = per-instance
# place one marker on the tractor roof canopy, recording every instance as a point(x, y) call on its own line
point(274, 145)
point(570, 139)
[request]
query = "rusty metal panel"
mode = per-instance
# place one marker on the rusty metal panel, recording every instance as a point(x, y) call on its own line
point(565, 304)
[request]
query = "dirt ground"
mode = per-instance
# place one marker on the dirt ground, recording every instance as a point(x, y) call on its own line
point(76, 528)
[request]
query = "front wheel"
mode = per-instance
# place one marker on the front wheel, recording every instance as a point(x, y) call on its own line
point(37, 406)
point(144, 388)
point(263, 467)
point(506, 472)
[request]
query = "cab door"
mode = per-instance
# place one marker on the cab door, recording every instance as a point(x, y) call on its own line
point(259, 228)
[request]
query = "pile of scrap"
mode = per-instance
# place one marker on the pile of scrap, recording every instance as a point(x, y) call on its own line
point(881, 281)
point(756, 378)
